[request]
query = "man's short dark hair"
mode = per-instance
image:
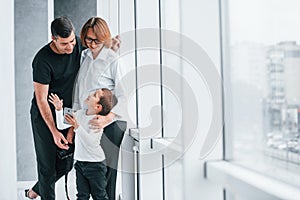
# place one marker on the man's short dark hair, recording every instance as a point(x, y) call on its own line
point(62, 26)
point(108, 101)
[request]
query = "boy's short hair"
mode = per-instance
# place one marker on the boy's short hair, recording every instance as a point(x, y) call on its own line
point(108, 101)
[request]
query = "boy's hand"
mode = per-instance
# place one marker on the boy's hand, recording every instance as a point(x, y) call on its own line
point(57, 103)
point(72, 120)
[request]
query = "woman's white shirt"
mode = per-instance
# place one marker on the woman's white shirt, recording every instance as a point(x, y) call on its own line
point(106, 71)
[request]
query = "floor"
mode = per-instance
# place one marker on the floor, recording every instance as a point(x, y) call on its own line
point(59, 188)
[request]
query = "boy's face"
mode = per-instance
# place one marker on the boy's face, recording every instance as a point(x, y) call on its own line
point(93, 99)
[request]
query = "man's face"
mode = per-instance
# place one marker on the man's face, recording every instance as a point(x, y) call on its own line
point(65, 45)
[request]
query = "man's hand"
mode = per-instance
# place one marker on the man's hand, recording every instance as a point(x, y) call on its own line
point(60, 140)
point(116, 43)
point(57, 103)
point(100, 122)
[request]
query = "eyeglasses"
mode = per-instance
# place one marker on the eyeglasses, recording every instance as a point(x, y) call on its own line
point(90, 41)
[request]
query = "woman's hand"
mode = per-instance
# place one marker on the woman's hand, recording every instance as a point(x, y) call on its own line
point(100, 122)
point(57, 103)
point(116, 43)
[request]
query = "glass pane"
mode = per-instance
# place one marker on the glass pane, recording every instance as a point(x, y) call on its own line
point(172, 97)
point(262, 74)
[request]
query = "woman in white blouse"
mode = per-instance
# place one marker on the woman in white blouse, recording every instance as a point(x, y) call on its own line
point(101, 68)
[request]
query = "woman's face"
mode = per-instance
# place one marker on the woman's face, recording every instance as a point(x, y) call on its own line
point(92, 42)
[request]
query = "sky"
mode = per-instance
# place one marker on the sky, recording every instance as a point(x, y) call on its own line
point(264, 21)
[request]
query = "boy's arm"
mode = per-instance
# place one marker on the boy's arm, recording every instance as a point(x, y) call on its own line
point(72, 120)
point(60, 120)
point(58, 104)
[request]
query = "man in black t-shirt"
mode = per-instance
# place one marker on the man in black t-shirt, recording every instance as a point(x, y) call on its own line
point(55, 67)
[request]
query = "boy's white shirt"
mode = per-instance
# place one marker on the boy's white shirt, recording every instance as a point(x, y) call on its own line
point(87, 141)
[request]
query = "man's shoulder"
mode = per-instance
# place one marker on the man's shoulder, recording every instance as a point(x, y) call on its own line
point(42, 54)
point(44, 50)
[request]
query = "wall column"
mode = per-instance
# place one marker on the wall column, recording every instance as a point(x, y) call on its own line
point(30, 36)
point(78, 11)
point(8, 171)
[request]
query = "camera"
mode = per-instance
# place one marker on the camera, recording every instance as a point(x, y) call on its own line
point(63, 153)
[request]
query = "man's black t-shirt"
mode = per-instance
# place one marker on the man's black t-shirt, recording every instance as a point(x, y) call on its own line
point(58, 71)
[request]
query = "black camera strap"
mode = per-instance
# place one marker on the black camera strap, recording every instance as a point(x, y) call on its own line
point(66, 186)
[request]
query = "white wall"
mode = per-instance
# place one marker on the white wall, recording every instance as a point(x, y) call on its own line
point(200, 22)
point(7, 104)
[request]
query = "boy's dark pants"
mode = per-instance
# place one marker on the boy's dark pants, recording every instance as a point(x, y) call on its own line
point(91, 180)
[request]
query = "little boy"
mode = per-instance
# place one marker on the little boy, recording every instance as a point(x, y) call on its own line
point(89, 156)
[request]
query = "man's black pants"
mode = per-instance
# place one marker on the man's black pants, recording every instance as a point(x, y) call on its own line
point(111, 141)
point(50, 167)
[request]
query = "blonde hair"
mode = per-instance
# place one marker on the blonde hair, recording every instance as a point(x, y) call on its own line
point(101, 30)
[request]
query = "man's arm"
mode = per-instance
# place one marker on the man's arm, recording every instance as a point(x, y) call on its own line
point(41, 94)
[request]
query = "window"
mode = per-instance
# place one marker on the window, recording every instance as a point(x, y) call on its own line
point(261, 53)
